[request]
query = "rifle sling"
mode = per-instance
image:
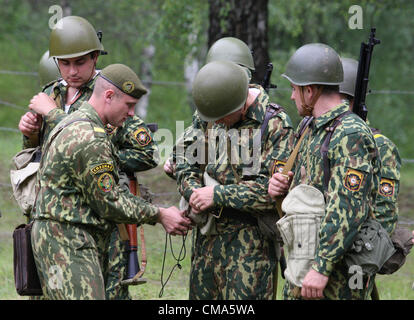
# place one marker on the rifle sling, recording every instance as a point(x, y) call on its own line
point(288, 166)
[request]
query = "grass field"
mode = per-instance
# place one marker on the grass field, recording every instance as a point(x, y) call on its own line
point(394, 287)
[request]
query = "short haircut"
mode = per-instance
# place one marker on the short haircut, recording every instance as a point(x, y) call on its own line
point(102, 85)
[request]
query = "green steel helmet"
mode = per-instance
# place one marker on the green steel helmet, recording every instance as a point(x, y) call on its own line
point(350, 74)
point(48, 70)
point(314, 63)
point(73, 37)
point(219, 89)
point(231, 49)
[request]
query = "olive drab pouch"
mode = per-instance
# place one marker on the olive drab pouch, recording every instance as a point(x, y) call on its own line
point(304, 207)
point(371, 248)
point(402, 241)
point(23, 178)
point(26, 278)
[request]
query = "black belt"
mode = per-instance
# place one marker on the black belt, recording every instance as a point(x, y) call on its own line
point(238, 216)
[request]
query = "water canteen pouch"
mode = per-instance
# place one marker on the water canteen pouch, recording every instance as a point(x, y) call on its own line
point(371, 248)
point(26, 279)
point(205, 221)
point(304, 207)
point(402, 241)
point(23, 177)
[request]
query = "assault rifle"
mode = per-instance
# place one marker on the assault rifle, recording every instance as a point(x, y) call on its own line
point(266, 79)
point(134, 271)
point(361, 85)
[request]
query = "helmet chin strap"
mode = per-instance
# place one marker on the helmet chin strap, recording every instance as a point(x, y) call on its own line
point(309, 107)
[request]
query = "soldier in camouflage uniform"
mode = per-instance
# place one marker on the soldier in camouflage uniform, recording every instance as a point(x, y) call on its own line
point(315, 71)
point(386, 209)
point(236, 261)
point(136, 148)
point(80, 200)
point(227, 49)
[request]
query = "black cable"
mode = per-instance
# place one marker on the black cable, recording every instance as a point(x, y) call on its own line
point(177, 264)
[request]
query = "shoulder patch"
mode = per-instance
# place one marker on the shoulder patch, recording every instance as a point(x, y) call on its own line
point(106, 182)
point(386, 187)
point(277, 166)
point(353, 180)
point(142, 136)
point(104, 167)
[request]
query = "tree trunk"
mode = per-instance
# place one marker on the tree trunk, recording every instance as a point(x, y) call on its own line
point(246, 20)
point(145, 73)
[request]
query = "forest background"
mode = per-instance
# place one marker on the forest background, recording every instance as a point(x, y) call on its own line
point(165, 42)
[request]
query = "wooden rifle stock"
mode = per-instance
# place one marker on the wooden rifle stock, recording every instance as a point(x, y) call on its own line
point(134, 272)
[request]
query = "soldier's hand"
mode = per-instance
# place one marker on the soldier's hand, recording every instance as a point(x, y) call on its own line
point(174, 221)
point(279, 184)
point(202, 199)
point(30, 124)
point(168, 168)
point(42, 103)
point(313, 285)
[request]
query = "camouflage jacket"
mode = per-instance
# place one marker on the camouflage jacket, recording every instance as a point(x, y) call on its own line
point(352, 185)
point(184, 140)
point(136, 149)
point(58, 90)
point(248, 194)
point(79, 178)
point(386, 209)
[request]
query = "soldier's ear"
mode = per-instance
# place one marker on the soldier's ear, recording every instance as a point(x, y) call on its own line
point(109, 94)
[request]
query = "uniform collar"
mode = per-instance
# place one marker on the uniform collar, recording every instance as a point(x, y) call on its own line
point(257, 110)
point(88, 85)
point(91, 113)
point(331, 114)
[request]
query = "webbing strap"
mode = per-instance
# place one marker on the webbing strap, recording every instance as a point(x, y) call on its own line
point(288, 166)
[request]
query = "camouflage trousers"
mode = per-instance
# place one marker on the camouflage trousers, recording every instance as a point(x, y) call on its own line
point(338, 287)
point(236, 265)
point(71, 260)
point(117, 269)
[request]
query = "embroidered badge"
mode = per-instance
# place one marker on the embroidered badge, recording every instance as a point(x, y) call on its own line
point(386, 187)
point(105, 182)
point(128, 86)
point(278, 166)
point(353, 180)
point(110, 129)
point(104, 167)
point(142, 136)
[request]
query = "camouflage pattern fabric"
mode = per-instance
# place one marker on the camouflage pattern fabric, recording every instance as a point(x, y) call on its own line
point(185, 140)
point(350, 196)
point(386, 209)
point(238, 263)
point(81, 172)
point(234, 265)
point(70, 260)
point(134, 141)
point(136, 151)
point(58, 89)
